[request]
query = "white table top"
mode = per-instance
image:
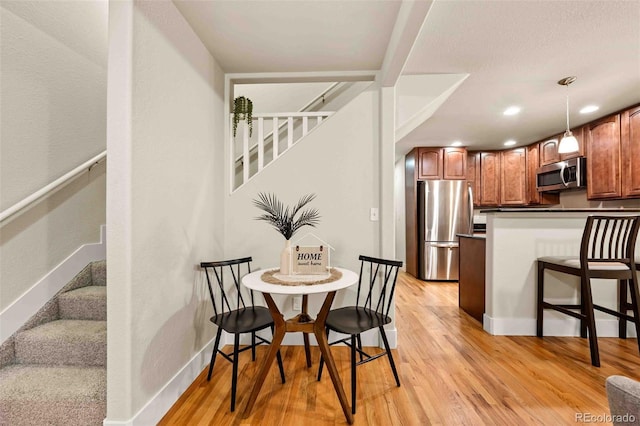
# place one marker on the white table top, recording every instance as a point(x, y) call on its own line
point(254, 282)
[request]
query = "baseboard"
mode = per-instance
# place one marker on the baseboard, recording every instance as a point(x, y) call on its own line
point(561, 327)
point(157, 407)
point(16, 314)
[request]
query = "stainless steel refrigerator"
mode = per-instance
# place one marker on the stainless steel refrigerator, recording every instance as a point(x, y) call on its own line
point(445, 208)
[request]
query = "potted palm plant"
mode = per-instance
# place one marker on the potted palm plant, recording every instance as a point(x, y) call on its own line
point(242, 110)
point(285, 222)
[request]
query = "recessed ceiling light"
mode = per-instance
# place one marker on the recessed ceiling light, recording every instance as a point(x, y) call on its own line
point(512, 110)
point(456, 143)
point(589, 108)
point(510, 142)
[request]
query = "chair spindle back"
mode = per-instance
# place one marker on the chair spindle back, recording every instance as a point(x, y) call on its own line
point(381, 273)
point(610, 239)
point(219, 270)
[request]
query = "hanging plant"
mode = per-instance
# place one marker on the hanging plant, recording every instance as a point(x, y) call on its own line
point(242, 110)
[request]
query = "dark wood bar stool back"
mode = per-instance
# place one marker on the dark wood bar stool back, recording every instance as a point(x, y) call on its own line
point(607, 251)
point(374, 296)
point(235, 316)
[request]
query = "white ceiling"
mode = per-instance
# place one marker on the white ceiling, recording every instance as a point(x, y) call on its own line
point(514, 53)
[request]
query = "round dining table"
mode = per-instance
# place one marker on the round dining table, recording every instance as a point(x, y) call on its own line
point(302, 322)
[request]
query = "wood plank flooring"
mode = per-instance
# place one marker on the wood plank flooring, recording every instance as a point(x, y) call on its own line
point(451, 373)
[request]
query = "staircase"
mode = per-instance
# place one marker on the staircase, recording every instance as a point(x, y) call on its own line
point(53, 370)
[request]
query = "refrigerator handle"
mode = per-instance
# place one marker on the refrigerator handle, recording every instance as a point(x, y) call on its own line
point(470, 188)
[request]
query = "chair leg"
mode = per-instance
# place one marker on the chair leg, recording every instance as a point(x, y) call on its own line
point(253, 346)
point(215, 352)
point(635, 299)
point(540, 309)
point(587, 301)
point(359, 339)
point(623, 307)
point(388, 349)
point(583, 312)
point(322, 359)
point(353, 374)
point(234, 378)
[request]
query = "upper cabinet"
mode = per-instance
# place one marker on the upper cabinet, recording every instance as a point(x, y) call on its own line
point(602, 140)
point(473, 175)
point(549, 150)
point(442, 163)
point(513, 177)
point(454, 161)
point(429, 163)
point(630, 151)
point(489, 194)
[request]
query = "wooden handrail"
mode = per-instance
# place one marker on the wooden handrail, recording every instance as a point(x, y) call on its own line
point(56, 184)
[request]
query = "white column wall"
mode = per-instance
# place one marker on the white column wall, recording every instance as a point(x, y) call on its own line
point(339, 162)
point(53, 59)
point(165, 142)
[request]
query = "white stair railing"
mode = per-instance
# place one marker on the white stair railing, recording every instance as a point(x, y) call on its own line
point(52, 187)
point(249, 159)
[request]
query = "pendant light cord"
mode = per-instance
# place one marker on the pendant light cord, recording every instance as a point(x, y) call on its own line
point(567, 107)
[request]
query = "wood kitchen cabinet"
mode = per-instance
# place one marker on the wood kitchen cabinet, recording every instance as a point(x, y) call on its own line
point(473, 175)
point(602, 142)
point(489, 179)
point(549, 150)
point(442, 163)
point(454, 163)
point(513, 178)
point(429, 163)
point(630, 151)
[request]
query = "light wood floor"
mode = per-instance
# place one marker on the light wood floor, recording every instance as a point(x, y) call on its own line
point(451, 372)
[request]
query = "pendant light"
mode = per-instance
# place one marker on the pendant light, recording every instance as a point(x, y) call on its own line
point(568, 143)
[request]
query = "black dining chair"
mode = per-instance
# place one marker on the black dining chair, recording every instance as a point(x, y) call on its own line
point(374, 296)
point(238, 318)
point(607, 251)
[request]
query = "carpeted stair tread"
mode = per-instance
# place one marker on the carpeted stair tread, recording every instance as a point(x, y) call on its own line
point(52, 395)
point(70, 342)
point(88, 303)
point(99, 272)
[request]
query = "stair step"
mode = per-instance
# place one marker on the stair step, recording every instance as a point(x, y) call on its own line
point(85, 303)
point(52, 395)
point(99, 272)
point(68, 342)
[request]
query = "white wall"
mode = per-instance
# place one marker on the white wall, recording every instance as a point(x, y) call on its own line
point(339, 162)
point(165, 139)
point(53, 59)
point(279, 97)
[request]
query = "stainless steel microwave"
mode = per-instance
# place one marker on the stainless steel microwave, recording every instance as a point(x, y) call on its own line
point(569, 174)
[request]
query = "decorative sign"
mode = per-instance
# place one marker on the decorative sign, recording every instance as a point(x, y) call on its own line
point(309, 260)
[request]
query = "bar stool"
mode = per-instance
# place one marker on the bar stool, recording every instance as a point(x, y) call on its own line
point(607, 251)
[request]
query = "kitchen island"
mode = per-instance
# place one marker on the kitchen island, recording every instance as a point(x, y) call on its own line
point(515, 239)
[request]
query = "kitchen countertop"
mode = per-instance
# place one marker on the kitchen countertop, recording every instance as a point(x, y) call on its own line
point(476, 236)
